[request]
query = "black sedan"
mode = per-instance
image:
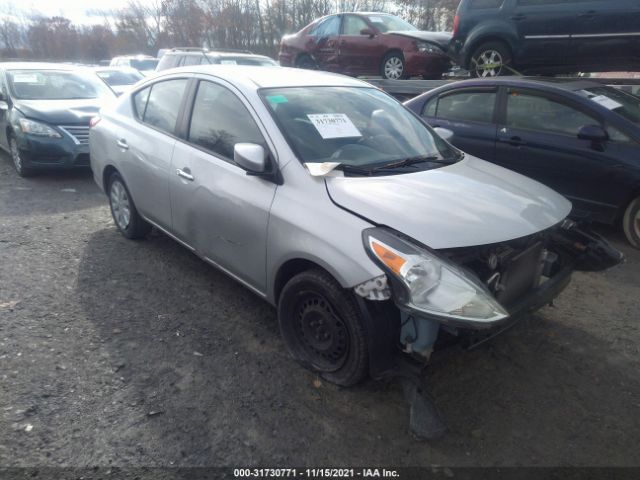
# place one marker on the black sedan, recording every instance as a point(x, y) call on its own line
point(579, 137)
point(45, 111)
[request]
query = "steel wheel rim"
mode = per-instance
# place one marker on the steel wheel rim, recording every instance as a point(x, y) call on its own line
point(15, 155)
point(393, 68)
point(489, 64)
point(321, 333)
point(120, 205)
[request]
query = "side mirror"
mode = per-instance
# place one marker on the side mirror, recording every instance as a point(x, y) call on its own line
point(368, 32)
point(594, 133)
point(444, 133)
point(251, 157)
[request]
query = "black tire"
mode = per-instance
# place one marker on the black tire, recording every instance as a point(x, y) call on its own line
point(631, 223)
point(322, 327)
point(306, 62)
point(16, 158)
point(491, 53)
point(393, 62)
point(131, 225)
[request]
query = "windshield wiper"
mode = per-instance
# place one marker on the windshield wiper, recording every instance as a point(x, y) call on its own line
point(398, 164)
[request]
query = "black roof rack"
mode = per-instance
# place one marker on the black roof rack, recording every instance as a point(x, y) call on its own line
point(189, 49)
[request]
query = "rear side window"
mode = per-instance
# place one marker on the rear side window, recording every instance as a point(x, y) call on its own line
point(163, 104)
point(220, 120)
point(466, 107)
point(327, 28)
point(532, 112)
point(476, 4)
point(140, 102)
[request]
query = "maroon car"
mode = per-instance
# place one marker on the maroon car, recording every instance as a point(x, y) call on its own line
point(367, 44)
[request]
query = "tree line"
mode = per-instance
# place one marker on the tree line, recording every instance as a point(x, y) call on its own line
point(146, 27)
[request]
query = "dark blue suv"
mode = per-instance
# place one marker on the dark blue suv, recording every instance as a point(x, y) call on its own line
point(497, 37)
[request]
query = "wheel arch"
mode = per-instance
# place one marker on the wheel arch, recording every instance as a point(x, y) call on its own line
point(489, 37)
point(106, 174)
point(290, 269)
point(635, 193)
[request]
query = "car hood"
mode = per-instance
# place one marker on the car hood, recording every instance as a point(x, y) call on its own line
point(60, 112)
point(469, 203)
point(442, 39)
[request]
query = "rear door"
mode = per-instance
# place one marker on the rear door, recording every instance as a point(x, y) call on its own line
point(544, 27)
point(606, 33)
point(324, 47)
point(359, 54)
point(218, 209)
point(538, 137)
point(146, 146)
point(470, 114)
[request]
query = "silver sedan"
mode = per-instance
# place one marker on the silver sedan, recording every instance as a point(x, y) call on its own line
point(369, 232)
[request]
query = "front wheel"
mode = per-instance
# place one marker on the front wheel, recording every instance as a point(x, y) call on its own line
point(631, 223)
point(323, 328)
point(491, 59)
point(393, 67)
point(123, 210)
point(18, 160)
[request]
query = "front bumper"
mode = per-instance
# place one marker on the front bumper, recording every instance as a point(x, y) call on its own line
point(427, 64)
point(52, 153)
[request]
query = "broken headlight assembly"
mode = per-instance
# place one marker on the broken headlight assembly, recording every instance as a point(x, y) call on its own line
point(426, 283)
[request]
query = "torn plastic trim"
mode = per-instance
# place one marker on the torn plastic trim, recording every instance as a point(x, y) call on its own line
point(376, 289)
point(317, 169)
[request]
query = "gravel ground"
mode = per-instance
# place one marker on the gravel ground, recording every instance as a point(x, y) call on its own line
point(122, 353)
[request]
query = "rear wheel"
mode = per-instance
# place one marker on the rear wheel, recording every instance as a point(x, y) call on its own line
point(631, 223)
point(18, 160)
point(123, 210)
point(323, 327)
point(306, 62)
point(490, 60)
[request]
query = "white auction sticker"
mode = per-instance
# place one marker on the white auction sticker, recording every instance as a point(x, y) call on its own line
point(25, 78)
point(334, 125)
point(606, 102)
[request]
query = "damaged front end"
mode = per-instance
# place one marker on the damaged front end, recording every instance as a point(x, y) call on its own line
point(483, 288)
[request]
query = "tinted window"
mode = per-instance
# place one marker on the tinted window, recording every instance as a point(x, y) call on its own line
point(163, 104)
point(327, 28)
point(486, 3)
point(220, 120)
point(352, 25)
point(531, 112)
point(192, 60)
point(467, 106)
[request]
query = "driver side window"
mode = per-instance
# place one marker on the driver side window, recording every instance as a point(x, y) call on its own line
point(352, 25)
point(329, 27)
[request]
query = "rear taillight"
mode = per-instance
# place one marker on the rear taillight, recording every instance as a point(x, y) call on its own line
point(94, 121)
point(456, 24)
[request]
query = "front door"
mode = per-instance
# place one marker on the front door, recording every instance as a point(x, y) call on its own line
point(539, 138)
point(217, 208)
point(324, 43)
point(359, 54)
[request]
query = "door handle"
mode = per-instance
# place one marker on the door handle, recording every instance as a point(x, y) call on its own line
point(186, 174)
point(122, 143)
point(516, 142)
point(518, 17)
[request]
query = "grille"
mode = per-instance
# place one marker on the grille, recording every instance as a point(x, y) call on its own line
point(79, 133)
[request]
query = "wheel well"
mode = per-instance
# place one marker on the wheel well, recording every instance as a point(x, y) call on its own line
point(393, 50)
point(487, 39)
point(625, 205)
point(290, 269)
point(106, 174)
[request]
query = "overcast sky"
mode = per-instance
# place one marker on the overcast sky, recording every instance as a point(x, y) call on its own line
point(78, 11)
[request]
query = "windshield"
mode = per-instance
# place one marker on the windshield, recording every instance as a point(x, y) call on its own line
point(56, 85)
point(144, 64)
point(357, 127)
point(118, 77)
point(389, 23)
point(618, 101)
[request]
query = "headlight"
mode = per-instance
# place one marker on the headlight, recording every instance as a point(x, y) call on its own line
point(37, 128)
point(426, 47)
point(424, 281)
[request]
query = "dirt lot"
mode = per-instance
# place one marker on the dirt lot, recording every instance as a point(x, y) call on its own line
point(115, 352)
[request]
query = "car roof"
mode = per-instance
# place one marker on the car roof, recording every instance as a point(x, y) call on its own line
point(38, 66)
point(569, 84)
point(254, 77)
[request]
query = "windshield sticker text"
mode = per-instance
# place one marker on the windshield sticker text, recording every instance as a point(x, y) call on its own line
point(334, 125)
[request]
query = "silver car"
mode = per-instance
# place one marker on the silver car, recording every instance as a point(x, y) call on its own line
point(369, 232)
